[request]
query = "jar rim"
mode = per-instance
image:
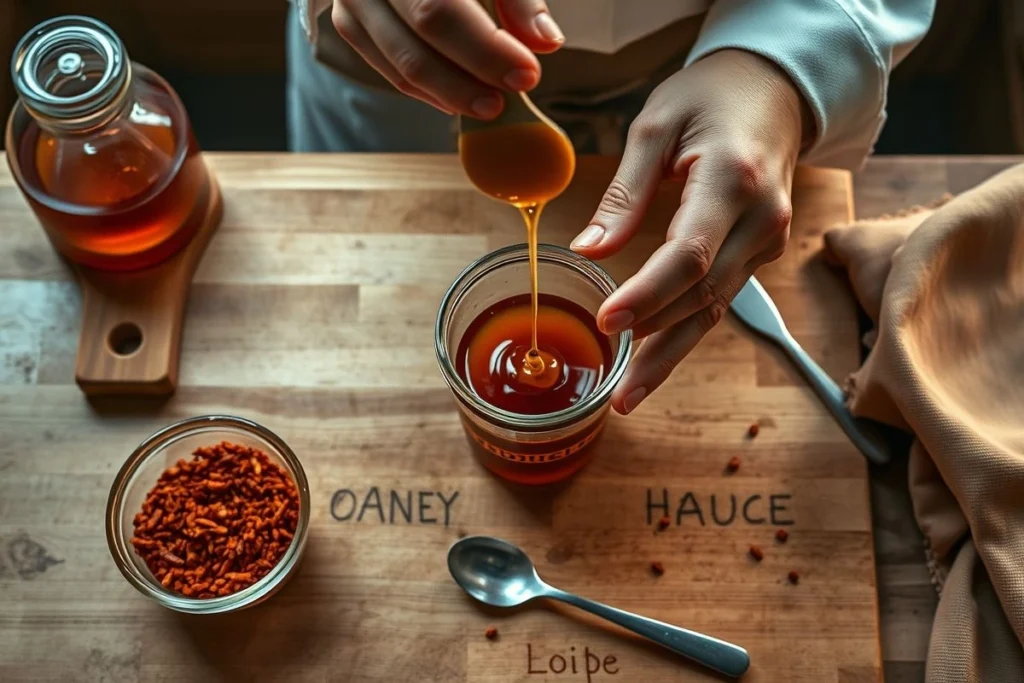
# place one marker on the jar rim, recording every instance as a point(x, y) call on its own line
point(70, 32)
point(516, 253)
point(120, 548)
point(181, 153)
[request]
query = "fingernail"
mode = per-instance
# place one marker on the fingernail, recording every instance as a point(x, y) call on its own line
point(487, 106)
point(616, 322)
point(633, 399)
point(521, 79)
point(590, 237)
point(547, 28)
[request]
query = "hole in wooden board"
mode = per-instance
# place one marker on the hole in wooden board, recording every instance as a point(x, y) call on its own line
point(125, 339)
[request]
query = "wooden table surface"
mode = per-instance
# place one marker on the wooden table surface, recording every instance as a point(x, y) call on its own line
point(322, 282)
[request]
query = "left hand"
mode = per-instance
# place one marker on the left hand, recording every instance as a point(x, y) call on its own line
point(450, 53)
point(730, 126)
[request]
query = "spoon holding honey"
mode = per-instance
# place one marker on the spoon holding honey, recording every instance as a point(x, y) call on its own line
point(521, 157)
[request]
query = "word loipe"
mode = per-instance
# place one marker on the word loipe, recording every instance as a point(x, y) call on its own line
point(586, 664)
point(393, 506)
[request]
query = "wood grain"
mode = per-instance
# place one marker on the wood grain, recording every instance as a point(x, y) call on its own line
point(312, 314)
point(130, 343)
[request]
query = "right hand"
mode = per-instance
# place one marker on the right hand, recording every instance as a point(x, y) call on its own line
point(450, 53)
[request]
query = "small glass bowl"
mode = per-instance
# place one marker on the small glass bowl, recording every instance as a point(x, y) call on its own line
point(161, 451)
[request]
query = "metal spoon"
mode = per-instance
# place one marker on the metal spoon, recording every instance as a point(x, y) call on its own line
point(499, 574)
point(519, 108)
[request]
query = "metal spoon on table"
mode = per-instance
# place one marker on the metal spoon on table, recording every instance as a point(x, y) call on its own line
point(499, 574)
point(754, 307)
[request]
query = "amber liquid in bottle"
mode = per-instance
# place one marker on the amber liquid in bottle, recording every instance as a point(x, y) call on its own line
point(526, 165)
point(127, 189)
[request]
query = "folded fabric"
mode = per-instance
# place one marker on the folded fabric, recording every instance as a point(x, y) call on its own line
point(945, 287)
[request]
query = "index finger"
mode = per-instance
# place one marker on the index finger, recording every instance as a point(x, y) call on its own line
point(465, 33)
point(708, 211)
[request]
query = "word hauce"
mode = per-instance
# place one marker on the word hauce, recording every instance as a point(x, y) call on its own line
point(720, 510)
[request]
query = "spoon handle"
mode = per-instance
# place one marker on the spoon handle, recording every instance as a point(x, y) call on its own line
point(518, 109)
point(713, 653)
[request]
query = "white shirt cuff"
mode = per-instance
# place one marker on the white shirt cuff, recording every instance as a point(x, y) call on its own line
point(838, 54)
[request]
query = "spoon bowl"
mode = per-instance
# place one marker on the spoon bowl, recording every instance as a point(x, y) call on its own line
point(499, 574)
point(494, 571)
point(522, 157)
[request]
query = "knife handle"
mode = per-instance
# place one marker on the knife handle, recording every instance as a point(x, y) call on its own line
point(863, 433)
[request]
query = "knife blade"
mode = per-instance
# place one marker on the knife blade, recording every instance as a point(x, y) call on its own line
point(756, 309)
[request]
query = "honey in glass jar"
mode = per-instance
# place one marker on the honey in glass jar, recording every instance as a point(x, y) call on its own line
point(102, 148)
point(532, 430)
point(491, 355)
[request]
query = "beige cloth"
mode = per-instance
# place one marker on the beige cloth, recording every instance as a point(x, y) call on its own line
point(946, 288)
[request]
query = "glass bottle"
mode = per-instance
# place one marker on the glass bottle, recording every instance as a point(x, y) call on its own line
point(102, 148)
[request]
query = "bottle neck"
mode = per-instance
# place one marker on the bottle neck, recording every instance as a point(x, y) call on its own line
point(72, 74)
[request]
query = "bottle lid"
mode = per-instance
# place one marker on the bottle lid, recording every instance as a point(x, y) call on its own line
point(70, 68)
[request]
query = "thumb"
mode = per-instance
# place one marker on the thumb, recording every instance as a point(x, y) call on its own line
point(624, 203)
point(530, 22)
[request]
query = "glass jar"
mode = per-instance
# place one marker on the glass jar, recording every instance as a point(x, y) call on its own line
point(102, 148)
point(528, 449)
point(161, 451)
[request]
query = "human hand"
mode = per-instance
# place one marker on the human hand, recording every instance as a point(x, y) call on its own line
point(450, 53)
point(730, 126)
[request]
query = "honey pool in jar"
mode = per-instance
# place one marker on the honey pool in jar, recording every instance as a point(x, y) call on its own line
point(530, 430)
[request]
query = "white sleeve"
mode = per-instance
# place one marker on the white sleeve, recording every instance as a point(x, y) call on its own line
point(308, 11)
point(839, 53)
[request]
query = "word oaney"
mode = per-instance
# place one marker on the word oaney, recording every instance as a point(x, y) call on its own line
point(721, 510)
point(394, 507)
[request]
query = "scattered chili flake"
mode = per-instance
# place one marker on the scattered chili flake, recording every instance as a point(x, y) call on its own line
point(794, 577)
point(781, 535)
point(657, 568)
point(734, 463)
point(217, 524)
point(753, 430)
point(756, 553)
point(664, 523)
point(491, 633)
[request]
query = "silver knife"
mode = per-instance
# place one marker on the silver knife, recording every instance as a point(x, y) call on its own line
point(755, 308)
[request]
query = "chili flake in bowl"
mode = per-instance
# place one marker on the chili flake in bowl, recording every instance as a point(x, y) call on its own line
point(209, 515)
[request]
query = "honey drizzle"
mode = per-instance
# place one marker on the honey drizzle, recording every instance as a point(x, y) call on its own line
point(526, 165)
point(533, 361)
